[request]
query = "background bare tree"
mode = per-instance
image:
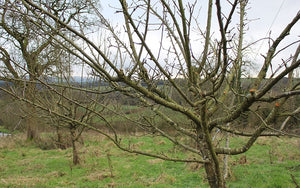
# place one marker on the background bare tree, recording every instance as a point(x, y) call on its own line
point(200, 83)
point(25, 45)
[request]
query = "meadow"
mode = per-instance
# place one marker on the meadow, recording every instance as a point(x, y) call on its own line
point(272, 162)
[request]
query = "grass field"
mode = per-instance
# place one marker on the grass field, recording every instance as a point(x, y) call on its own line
point(270, 163)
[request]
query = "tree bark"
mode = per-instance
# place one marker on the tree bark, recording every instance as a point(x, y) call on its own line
point(76, 159)
point(31, 121)
point(212, 169)
point(215, 179)
point(31, 126)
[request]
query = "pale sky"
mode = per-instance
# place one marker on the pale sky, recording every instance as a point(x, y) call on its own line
point(265, 16)
point(273, 15)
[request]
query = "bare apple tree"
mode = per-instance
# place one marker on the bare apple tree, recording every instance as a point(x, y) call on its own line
point(191, 71)
point(33, 48)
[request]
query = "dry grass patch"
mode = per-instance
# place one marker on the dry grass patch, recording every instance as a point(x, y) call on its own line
point(93, 151)
point(194, 167)
point(93, 136)
point(162, 142)
point(25, 162)
point(165, 179)
point(137, 145)
point(127, 166)
point(23, 181)
point(108, 145)
point(35, 166)
point(55, 174)
point(155, 161)
point(98, 175)
point(110, 185)
point(10, 142)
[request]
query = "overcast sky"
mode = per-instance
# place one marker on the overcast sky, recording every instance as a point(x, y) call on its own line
point(265, 16)
point(273, 15)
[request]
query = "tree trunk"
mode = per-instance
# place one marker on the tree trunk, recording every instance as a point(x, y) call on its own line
point(32, 128)
point(31, 121)
point(76, 159)
point(212, 168)
point(60, 141)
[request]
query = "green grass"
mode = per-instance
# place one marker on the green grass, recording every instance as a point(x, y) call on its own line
point(4, 130)
point(269, 164)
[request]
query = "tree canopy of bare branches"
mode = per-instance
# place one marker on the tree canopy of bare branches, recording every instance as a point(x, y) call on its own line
point(198, 79)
